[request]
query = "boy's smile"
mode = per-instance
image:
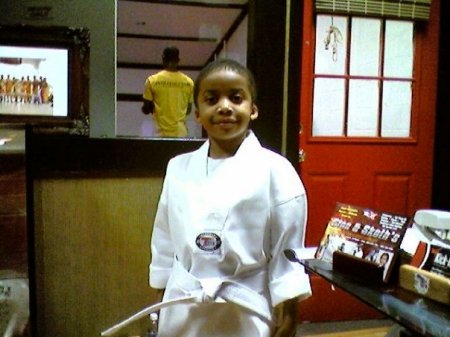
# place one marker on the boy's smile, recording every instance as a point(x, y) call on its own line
point(225, 108)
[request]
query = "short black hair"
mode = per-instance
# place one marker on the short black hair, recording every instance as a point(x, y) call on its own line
point(171, 53)
point(225, 64)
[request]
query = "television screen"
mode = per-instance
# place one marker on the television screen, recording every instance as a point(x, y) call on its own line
point(34, 81)
point(44, 77)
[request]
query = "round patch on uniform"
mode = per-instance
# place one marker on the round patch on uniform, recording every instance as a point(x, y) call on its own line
point(208, 241)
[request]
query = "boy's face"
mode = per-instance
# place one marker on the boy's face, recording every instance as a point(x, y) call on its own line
point(225, 106)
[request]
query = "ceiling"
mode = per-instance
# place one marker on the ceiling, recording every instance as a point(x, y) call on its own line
point(197, 28)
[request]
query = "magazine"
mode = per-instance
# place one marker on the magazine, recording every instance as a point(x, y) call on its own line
point(438, 261)
point(364, 233)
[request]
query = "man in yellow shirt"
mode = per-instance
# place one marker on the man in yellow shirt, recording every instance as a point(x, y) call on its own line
point(168, 97)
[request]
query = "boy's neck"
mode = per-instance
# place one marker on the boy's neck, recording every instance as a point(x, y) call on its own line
point(220, 153)
point(224, 148)
point(171, 66)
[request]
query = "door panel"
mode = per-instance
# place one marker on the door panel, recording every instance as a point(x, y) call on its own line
point(392, 190)
point(391, 174)
point(366, 175)
point(321, 206)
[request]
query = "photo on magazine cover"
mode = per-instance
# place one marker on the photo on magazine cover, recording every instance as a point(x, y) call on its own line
point(364, 233)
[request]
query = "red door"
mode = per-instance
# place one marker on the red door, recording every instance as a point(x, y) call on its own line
point(388, 173)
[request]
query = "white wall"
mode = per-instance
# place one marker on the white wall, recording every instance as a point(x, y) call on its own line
point(236, 48)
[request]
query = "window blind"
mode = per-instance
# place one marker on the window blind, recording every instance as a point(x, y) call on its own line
point(401, 9)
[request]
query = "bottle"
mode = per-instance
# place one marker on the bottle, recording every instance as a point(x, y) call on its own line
point(153, 331)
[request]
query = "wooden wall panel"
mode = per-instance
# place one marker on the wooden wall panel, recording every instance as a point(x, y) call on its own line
point(13, 233)
point(13, 217)
point(92, 253)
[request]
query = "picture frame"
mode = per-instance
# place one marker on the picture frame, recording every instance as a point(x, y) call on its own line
point(44, 77)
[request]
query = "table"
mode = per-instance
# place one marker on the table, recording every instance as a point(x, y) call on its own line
point(419, 315)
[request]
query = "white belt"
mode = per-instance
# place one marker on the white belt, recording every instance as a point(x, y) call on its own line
point(228, 290)
point(148, 310)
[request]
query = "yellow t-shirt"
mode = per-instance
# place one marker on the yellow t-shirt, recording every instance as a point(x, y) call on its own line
point(171, 93)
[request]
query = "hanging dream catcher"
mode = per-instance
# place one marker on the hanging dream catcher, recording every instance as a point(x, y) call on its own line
point(332, 38)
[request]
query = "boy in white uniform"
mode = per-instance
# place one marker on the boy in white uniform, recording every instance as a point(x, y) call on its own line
point(226, 214)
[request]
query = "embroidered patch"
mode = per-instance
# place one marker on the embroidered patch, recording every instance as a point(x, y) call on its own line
point(208, 241)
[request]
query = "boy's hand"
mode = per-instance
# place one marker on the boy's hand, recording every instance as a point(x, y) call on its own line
point(285, 330)
point(286, 319)
point(148, 107)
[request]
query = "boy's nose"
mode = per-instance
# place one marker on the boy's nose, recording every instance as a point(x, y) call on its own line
point(224, 106)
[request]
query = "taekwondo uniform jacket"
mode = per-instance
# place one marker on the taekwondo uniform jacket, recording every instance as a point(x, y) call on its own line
point(222, 235)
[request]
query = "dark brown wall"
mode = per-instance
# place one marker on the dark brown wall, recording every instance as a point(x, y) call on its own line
point(441, 180)
point(266, 37)
point(266, 54)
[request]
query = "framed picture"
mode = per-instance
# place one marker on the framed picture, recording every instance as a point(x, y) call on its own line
point(44, 77)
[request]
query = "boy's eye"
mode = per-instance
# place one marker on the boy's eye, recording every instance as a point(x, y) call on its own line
point(211, 99)
point(236, 98)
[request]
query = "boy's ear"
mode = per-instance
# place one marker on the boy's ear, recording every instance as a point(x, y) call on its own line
point(197, 114)
point(254, 113)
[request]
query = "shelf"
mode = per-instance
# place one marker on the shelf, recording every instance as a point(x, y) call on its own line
point(416, 313)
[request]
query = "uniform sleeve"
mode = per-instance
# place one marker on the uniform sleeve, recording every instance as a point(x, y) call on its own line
point(162, 252)
point(148, 90)
point(288, 221)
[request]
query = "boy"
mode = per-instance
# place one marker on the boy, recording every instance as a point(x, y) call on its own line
point(168, 96)
point(226, 214)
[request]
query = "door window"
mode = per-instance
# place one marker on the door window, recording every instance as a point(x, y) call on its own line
point(363, 77)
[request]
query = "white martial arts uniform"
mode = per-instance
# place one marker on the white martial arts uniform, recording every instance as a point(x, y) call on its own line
point(222, 235)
